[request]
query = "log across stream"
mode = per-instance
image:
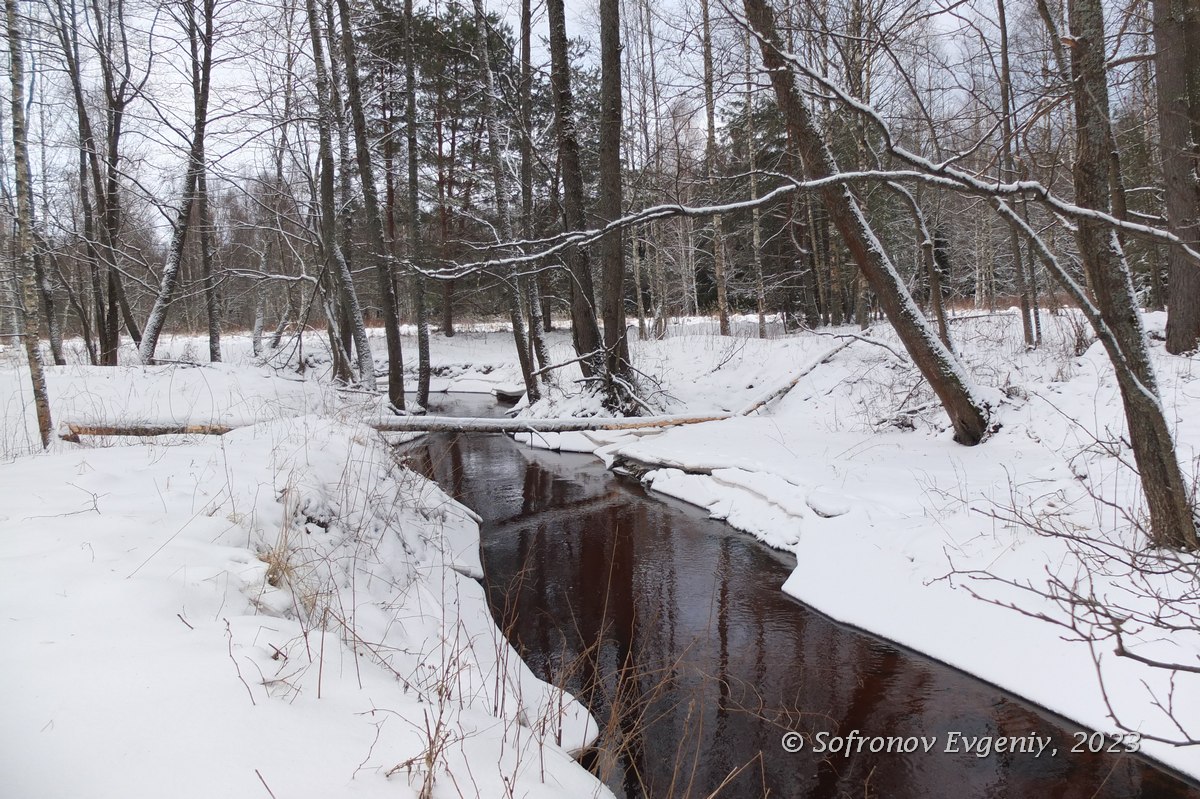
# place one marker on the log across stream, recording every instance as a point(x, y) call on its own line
point(673, 628)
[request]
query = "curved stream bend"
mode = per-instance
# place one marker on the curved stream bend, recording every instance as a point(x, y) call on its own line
point(673, 629)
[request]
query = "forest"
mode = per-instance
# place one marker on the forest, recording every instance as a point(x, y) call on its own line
point(357, 188)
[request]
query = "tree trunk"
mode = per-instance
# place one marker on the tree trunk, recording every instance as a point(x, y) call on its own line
point(504, 225)
point(260, 303)
point(929, 262)
point(584, 329)
point(374, 220)
point(1009, 170)
point(31, 328)
point(1177, 79)
point(946, 377)
point(710, 169)
point(201, 46)
point(538, 315)
point(212, 307)
point(335, 264)
point(612, 249)
point(414, 213)
point(760, 293)
point(1171, 520)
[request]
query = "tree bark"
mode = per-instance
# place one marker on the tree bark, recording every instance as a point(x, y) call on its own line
point(1177, 80)
point(335, 264)
point(760, 292)
point(538, 316)
point(201, 82)
point(29, 295)
point(612, 249)
point(374, 220)
point(1171, 520)
point(584, 329)
point(417, 281)
point(968, 415)
point(1007, 112)
point(504, 225)
point(710, 169)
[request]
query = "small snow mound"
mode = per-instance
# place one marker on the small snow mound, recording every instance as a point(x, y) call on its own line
point(827, 505)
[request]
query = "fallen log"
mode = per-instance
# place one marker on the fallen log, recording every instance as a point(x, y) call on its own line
point(778, 392)
point(71, 431)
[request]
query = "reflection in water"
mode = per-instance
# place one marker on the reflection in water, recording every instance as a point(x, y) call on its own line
point(673, 629)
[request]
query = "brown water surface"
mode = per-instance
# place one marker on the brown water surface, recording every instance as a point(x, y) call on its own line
point(674, 630)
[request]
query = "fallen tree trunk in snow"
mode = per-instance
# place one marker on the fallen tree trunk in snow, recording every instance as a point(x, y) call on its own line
point(789, 385)
point(71, 431)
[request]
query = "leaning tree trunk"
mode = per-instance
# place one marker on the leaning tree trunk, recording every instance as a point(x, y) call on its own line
point(29, 292)
point(1171, 520)
point(201, 81)
point(947, 378)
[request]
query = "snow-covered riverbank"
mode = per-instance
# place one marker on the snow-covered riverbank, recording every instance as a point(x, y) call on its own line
point(900, 531)
point(282, 609)
point(896, 529)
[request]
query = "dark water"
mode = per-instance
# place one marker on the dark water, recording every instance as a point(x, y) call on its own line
point(673, 629)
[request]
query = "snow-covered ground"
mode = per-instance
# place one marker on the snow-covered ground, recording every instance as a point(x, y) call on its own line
point(280, 611)
point(106, 551)
point(900, 531)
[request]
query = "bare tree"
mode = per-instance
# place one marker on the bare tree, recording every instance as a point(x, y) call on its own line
point(504, 224)
point(200, 36)
point(1171, 518)
point(414, 206)
point(710, 168)
point(968, 414)
point(29, 296)
point(335, 264)
point(584, 328)
point(612, 248)
point(366, 173)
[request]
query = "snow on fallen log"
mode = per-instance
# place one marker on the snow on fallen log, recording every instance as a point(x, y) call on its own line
point(790, 384)
point(71, 431)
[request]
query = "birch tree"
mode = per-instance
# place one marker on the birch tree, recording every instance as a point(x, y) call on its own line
point(31, 315)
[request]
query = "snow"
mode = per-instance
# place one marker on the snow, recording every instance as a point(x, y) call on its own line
point(900, 531)
point(140, 619)
point(282, 608)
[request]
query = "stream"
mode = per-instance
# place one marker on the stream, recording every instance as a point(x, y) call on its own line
point(673, 629)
